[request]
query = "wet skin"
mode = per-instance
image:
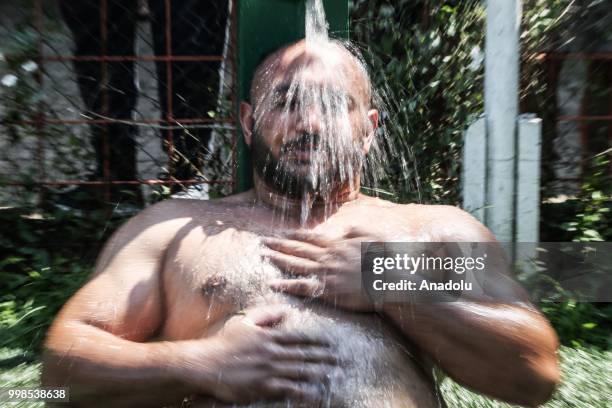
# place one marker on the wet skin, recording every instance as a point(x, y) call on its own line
point(215, 300)
point(233, 272)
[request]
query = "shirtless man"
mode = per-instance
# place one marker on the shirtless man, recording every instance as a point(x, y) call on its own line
point(215, 301)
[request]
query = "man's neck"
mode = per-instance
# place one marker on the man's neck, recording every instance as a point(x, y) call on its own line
point(318, 208)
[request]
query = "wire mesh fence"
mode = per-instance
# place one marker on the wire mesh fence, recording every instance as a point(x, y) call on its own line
point(101, 97)
point(575, 58)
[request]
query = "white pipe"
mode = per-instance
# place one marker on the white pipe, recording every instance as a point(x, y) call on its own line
point(501, 109)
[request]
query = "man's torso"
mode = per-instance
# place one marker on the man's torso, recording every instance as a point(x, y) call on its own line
point(214, 269)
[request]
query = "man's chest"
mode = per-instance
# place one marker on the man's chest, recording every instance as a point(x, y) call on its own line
point(214, 271)
point(212, 274)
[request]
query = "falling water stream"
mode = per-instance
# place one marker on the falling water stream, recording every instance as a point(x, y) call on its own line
point(316, 23)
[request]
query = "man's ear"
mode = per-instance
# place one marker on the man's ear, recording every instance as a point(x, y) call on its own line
point(246, 121)
point(373, 118)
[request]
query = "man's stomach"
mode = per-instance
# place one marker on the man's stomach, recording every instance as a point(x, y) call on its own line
point(375, 369)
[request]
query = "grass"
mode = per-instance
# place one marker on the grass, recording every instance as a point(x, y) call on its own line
point(587, 381)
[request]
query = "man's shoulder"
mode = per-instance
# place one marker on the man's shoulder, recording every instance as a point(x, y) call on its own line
point(437, 211)
point(173, 213)
point(172, 209)
point(175, 208)
point(445, 222)
point(423, 211)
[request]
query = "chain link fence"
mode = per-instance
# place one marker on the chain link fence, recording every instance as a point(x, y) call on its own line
point(113, 100)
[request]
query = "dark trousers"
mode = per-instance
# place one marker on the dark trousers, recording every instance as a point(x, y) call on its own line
point(197, 28)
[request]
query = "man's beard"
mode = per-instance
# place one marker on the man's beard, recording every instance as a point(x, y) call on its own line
point(327, 168)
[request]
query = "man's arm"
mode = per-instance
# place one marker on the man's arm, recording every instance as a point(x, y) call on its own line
point(501, 348)
point(504, 351)
point(491, 344)
point(96, 346)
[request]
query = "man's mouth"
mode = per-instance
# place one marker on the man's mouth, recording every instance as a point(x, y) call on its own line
point(303, 153)
point(302, 150)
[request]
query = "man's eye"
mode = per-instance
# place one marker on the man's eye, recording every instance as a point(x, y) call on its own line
point(282, 104)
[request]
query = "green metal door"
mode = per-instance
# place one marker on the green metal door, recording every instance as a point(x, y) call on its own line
point(264, 26)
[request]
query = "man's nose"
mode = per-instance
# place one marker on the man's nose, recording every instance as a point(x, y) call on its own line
point(309, 119)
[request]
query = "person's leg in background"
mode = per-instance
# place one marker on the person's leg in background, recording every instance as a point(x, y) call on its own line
point(107, 88)
point(198, 28)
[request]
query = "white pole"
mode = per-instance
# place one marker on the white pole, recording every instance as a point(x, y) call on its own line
point(528, 193)
point(528, 188)
point(501, 109)
point(475, 169)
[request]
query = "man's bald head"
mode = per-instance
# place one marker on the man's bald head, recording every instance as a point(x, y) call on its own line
point(309, 122)
point(337, 60)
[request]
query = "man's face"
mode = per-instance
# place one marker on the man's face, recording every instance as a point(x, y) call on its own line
point(311, 122)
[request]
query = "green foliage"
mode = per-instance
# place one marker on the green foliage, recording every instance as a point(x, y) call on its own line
point(426, 62)
point(579, 324)
point(593, 221)
point(586, 217)
point(44, 258)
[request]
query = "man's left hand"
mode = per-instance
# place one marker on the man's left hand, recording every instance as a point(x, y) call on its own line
point(325, 268)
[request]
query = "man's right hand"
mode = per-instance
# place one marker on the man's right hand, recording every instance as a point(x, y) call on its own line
point(253, 360)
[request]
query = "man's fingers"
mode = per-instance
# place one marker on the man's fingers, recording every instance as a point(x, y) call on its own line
point(299, 371)
point(294, 265)
point(284, 388)
point(299, 287)
point(295, 248)
point(310, 237)
point(292, 338)
point(306, 354)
